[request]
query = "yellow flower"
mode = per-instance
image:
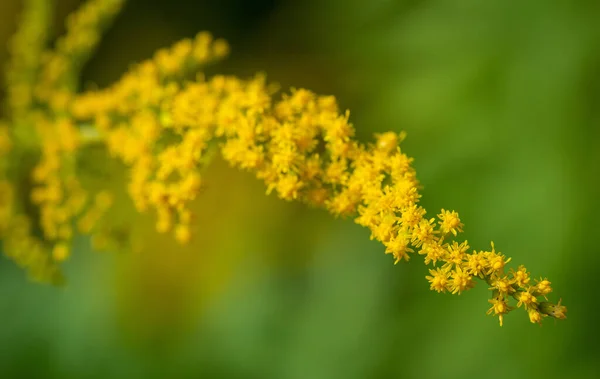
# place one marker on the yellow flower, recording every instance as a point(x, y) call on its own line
point(542, 287)
point(499, 308)
point(456, 253)
point(398, 246)
point(449, 222)
point(423, 233)
point(534, 316)
point(60, 252)
point(439, 280)
point(476, 264)
point(433, 253)
point(183, 233)
point(461, 280)
point(503, 286)
point(520, 277)
point(412, 215)
point(527, 299)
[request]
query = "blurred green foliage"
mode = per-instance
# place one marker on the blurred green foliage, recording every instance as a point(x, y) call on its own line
point(501, 102)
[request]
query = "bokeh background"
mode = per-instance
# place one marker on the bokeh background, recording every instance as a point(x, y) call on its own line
point(501, 103)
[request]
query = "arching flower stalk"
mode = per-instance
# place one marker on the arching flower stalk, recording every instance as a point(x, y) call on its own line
point(162, 126)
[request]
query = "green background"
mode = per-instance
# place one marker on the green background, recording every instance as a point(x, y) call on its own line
point(501, 103)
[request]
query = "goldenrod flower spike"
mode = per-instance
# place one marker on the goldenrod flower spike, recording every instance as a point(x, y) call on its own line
point(61, 66)
point(26, 48)
point(163, 127)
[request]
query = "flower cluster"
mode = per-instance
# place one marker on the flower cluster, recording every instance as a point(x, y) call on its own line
point(164, 120)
